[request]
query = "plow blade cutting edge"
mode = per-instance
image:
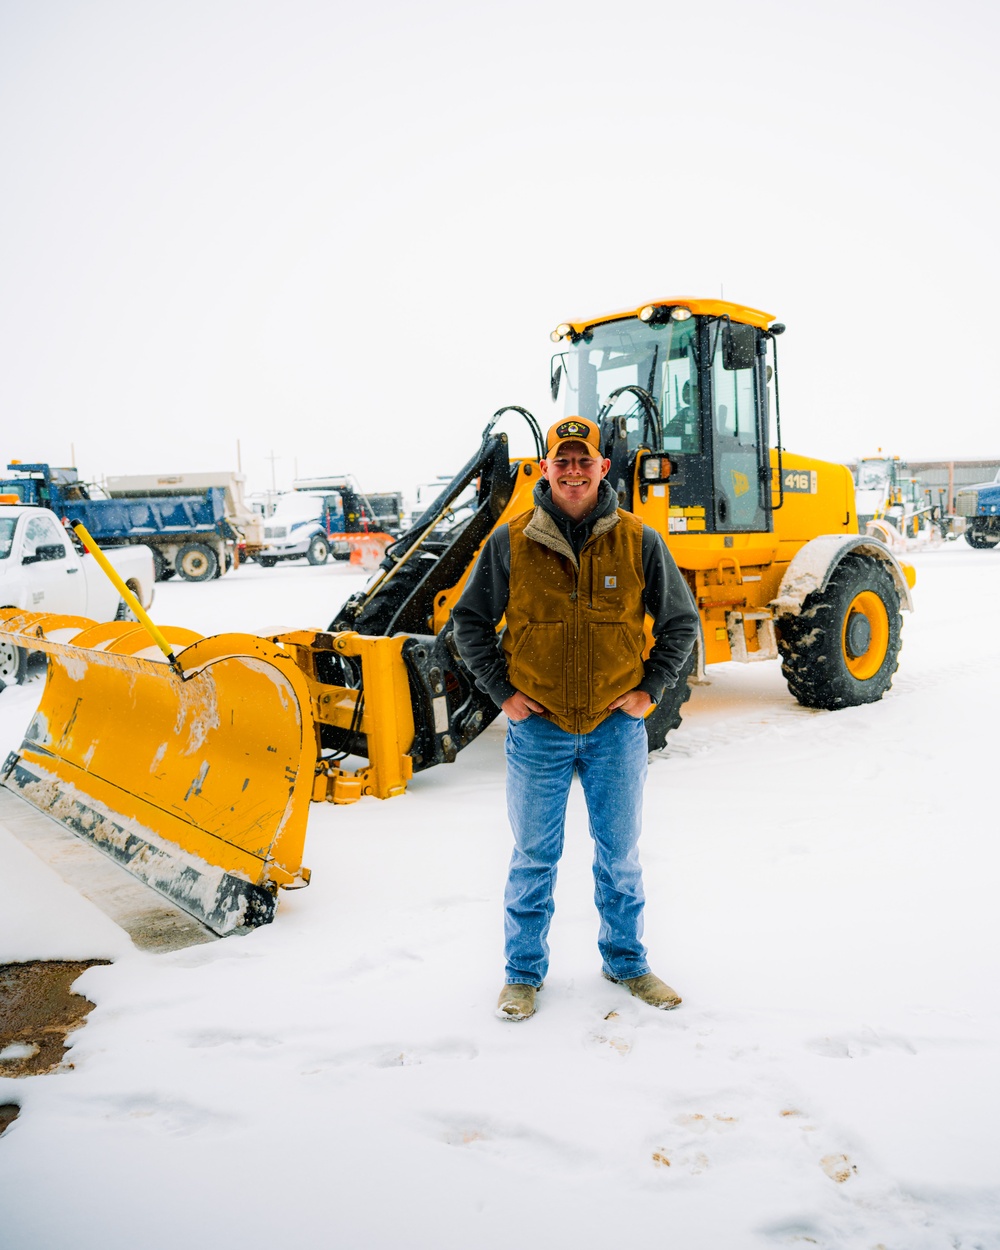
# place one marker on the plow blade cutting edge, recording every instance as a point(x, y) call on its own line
point(198, 782)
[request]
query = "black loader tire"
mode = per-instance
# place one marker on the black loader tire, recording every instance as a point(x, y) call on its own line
point(843, 647)
point(267, 562)
point(667, 713)
point(197, 563)
point(13, 664)
point(319, 549)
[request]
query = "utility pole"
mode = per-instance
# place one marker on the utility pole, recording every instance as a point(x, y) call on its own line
point(273, 458)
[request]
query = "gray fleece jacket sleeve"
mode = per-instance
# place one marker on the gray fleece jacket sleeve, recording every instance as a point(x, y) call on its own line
point(477, 613)
point(668, 600)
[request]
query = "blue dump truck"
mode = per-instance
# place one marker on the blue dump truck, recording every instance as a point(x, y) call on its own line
point(194, 523)
point(980, 505)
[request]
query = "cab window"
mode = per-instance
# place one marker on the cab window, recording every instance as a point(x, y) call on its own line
point(661, 358)
point(41, 531)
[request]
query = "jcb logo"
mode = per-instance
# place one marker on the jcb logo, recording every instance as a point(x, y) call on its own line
point(741, 483)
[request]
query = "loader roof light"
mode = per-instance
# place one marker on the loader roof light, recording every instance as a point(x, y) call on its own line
point(562, 331)
point(655, 314)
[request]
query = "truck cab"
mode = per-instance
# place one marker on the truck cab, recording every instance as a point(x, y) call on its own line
point(300, 526)
point(43, 568)
point(325, 516)
point(980, 505)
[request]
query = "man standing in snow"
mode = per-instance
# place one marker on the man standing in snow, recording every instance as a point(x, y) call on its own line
point(576, 579)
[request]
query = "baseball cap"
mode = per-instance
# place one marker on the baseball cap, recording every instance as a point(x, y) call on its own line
point(574, 430)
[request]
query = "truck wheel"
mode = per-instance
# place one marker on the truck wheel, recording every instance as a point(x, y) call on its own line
point(13, 663)
point(843, 647)
point(318, 551)
point(160, 567)
point(267, 562)
point(196, 562)
point(667, 713)
point(981, 540)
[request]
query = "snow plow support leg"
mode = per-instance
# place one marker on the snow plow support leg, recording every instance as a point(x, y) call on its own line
point(385, 720)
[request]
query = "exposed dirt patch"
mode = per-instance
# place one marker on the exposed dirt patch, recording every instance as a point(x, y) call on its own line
point(9, 1112)
point(37, 1011)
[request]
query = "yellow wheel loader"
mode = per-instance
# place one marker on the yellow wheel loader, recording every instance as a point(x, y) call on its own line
point(196, 770)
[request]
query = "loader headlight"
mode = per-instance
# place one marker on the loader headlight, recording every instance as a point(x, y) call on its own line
point(648, 313)
point(656, 468)
point(680, 313)
point(561, 332)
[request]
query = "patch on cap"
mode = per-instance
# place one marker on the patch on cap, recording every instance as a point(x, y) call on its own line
point(574, 429)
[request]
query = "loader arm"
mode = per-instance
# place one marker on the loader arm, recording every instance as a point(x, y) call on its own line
point(431, 557)
point(421, 572)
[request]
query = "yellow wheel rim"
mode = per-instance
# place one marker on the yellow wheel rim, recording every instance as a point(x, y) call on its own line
point(865, 635)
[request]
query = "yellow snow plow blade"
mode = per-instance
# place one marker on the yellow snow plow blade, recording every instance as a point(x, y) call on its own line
point(197, 781)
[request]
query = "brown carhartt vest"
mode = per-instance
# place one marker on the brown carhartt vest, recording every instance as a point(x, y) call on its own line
point(575, 631)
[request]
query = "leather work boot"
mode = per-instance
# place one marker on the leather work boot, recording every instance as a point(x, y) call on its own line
point(650, 989)
point(516, 1002)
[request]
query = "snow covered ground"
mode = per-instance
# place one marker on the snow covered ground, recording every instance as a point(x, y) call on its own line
point(821, 890)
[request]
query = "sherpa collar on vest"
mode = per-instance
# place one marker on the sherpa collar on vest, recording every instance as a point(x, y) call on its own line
point(543, 529)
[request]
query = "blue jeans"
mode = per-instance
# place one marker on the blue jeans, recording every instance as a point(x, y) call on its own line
point(611, 763)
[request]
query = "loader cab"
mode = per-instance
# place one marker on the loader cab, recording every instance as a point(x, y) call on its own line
point(708, 375)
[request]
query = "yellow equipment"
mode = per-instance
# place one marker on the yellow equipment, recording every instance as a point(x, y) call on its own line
point(197, 774)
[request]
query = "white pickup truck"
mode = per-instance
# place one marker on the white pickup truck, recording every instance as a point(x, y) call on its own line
point(43, 569)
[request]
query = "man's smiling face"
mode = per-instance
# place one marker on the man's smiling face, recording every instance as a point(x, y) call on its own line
point(574, 478)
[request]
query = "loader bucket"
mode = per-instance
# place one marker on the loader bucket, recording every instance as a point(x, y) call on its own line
point(198, 782)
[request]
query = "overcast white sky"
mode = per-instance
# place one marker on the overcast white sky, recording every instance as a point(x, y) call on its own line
point(341, 233)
